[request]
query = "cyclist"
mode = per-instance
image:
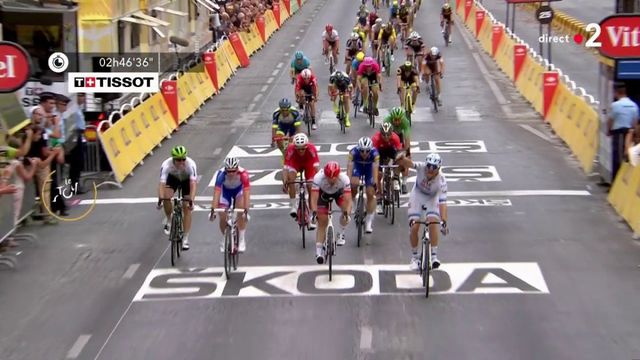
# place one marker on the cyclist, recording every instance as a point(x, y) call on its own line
point(364, 160)
point(433, 64)
point(393, 12)
point(374, 33)
point(386, 36)
point(407, 75)
point(362, 33)
point(400, 125)
point(353, 46)
point(339, 82)
point(301, 156)
point(299, 63)
point(414, 47)
point(389, 147)
point(285, 122)
point(362, 15)
point(178, 172)
point(373, 17)
point(430, 190)
point(404, 12)
point(307, 85)
point(445, 15)
point(330, 184)
point(331, 39)
point(232, 186)
point(355, 65)
point(369, 75)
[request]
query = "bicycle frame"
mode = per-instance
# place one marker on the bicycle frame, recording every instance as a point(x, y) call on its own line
point(177, 225)
point(303, 209)
point(231, 253)
point(432, 91)
point(425, 257)
point(341, 113)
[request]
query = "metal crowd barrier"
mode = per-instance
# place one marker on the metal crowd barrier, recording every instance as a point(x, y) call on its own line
point(96, 166)
point(8, 230)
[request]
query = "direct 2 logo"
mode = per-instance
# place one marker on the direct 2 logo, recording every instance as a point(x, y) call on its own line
point(15, 67)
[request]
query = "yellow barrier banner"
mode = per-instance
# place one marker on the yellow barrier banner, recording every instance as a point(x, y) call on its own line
point(284, 14)
point(624, 195)
point(185, 105)
point(160, 116)
point(486, 33)
point(223, 68)
point(230, 55)
point(529, 83)
point(470, 23)
point(204, 85)
point(504, 55)
point(271, 26)
point(251, 40)
point(121, 151)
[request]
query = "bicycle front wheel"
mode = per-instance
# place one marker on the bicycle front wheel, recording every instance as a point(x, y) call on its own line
point(302, 218)
point(174, 238)
point(227, 253)
point(235, 254)
point(360, 216)
point(329, 249)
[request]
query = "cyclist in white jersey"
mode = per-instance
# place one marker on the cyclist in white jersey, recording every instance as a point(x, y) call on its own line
point(430, 190)
point(178, 171)
point(330, 38)
point(330, 184)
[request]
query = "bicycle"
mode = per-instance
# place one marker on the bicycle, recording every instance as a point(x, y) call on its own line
point(425, 257)
point(386, 59)
point(177, 226)
point(408, 102)
point(342, 118)
point(432, 92)
point(356, 101)
point(447, 33)
point(390, 192)
point(231, 253)
point(370, 107)
point(330, 243)
point(302, 216)
point(360, 213)
point(307, 112)
point(331, 60)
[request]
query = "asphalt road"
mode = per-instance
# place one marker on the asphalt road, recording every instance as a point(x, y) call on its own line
point(572, 59)
point(536, 266)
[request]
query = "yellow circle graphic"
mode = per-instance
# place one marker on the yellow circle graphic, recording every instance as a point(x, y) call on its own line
point(95, 198)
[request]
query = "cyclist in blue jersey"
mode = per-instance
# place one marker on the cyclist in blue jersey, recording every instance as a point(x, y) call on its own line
point(299, 63)
point(364, 160)
point(285, 123)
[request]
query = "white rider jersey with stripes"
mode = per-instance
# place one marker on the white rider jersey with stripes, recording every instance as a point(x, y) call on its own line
point(188, 172)
point(434, 187)
point(320, 182)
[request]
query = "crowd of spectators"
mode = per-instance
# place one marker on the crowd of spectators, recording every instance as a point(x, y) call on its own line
point(53, 137)
point(238, 15)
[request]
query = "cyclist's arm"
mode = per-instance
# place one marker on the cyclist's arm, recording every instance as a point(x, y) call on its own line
point(164, 173)
point(246, 190)
point(346, 190)
point(442, 200)
point(350, 165)
point(441, 62)
point(215, 201)
point(376, 164)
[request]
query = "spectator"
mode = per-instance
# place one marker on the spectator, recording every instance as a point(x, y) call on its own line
point(624, 117)
point(77, 147)
point(24, 169)
point(7, 189)
point(633, 145)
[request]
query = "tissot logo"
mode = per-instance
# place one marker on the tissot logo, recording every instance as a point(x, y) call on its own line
point(113, 82)
point(359, 280)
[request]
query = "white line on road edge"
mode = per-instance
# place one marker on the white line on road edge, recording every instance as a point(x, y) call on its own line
point(297, 37)
point(275, 72)
point(130, 271)
point(251, 107)
point(77, 347)
point(217, 151)
point(257, 98)
point(153, 200)
point(264, 88)
point(279, 65)
point(536, 132)
point(366, 338)
point(270, 80)
point(492, 84)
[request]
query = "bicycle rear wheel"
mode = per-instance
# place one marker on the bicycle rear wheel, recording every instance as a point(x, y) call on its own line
point(227, 253)
point(235, 254)
point(391, 202)
point(302, 218)
point(174, 238)
point(341, 116)
point(372, 119)
point(360, 216)
point(330, 250)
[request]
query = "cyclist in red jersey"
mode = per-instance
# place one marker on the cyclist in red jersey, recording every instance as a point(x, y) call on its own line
point(301, 156)
point(390, 148)
point(307, 84)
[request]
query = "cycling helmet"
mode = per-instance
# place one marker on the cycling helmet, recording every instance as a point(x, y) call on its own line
point(355, 35)
point(434, 160)
point(179, 152)
point(332, 169)
point(299, 55)
point(395, 3)
point(396, 113)
point(329, 28)
point(368, 61)
point(414, 35)
point(360, 56)
point(339, 75)
point(407, 64)
point(445, 6)
point(365, 143)
point(435, 51)
point(230, 163)
point(386, 129)
point(383, 26)
point(306, 74)
point(379, 21)
point(284, 103)
point(300, 140)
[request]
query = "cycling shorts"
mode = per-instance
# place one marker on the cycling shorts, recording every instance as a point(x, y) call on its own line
point(308, 169)
point(325, 199)
point(417, 199)
point(287, 129)
point(174, 183)
point(365, 170)
point(387, 154)
point(228, 196)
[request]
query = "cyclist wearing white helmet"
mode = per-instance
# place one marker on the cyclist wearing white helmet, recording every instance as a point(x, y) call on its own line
point(374, 32)
point(339, 82)
point(231, 189)
point(353, 46)
point(307, 88)
point(433, 65)
point(430, 192)
point(301, 156)
point(178, 172)
point(414, 47)
point(364, 160)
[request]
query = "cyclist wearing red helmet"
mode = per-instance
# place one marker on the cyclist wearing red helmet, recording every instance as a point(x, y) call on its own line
point(331, 39)
point(330, 184)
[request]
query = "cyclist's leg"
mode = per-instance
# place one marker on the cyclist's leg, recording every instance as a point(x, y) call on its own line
point(364, 92)
point(376, 90)
point(186, 209)
point(402, 87)
point(414, 213)
point(170, 188)
point(290, 175)
point(309, 173)
point(371, 198)
point(325, 46)
point(355, 181)
point(414, 93)
point(433, 214)
point(225, 201)
point(437, 81)
point(347, 101)
point(323, 222)
point(335, 50)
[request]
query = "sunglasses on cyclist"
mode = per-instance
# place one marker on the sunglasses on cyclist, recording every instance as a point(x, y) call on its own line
point(180, 160)
point(432, 167)
point(228, 171)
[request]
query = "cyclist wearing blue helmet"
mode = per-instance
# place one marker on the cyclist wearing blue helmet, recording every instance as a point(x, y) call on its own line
point(430, 192)
point(299, 63)
point(285, 122)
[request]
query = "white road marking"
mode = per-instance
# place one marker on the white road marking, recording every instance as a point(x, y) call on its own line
point(368, 261)
point(264, 88)
point(492, 84)
point(270, 80)
point(77, 347)
point(280, 64)
point(366, 338)
point(536, 132)
point(297, 37)
point(251, 107)
point(257, 98)
point(506, 193)
point(130, 271)
point(217, 151)
point(467, 114)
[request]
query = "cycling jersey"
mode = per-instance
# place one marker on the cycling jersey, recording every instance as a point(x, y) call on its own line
point(353, 46)
point(298, 66)
point(403, 13)
point(385, 35)
point(432, 62)
point(416, 45)
point(372, 18)
point(375, 29)
point(321, 183)
point(168, 168)
point(371, 75)
point(307, 161)
point(341, 85)
point(308, 86)
point(286, 124)
point(333, 37)
point(231, 185)
point(402, 129)
point(407, 77)
point(355, 64)
point(429, 193)
point(446, 13)
point(363, 166)
point(380, 143)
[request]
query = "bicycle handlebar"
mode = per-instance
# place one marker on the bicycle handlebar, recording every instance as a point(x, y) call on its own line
point(389, 166)
point(223, 210)
point(299, 182)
